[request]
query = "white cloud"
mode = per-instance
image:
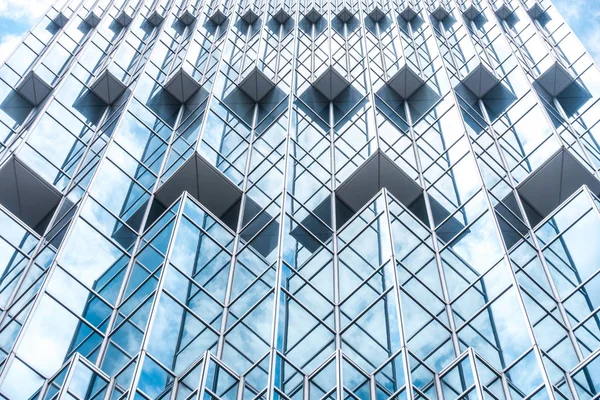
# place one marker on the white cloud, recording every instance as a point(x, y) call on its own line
point(7, 44)
point(17, 9)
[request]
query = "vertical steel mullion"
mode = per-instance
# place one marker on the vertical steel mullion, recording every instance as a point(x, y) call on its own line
point(336, 275)
point(475, 372)
point(280, 240)
point(398, 305)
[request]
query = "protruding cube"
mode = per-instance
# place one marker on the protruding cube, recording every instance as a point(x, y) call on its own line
point(313, 15)
point(256, 84)
point(186, 17)
point(472, 12)
point(375, 173)
point(218, 16)
point(92, 19)
point(555, 80)
point(124, 19)
point(377, 14)
point(504, 11)
point(60, 19)
point(405, 82)
point(536, 10)
point(156, 18)
point(182, 85)
point(344, 14)
point(480, 81)
point(250, 16)
point(204, 182)
point(554, 182)
point(331, 83)
point(27, 195)
point(281, 15)
point(108, 87)
point(409, 13)
point(440, 13)
point(33, 88)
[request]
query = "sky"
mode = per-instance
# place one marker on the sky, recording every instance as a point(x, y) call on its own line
point(17, 16)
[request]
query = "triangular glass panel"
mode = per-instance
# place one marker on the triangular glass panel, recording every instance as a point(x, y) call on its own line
point(33, 89)
point(124, 19)
point(155, 18)
point(331, 83)
point(92, 19)
point(480, 81)
point(108, 87)
point(181, 85)
point(256, 84)
point(405, 82)
point(555, 80)
point(408, 13)
point(60, 20)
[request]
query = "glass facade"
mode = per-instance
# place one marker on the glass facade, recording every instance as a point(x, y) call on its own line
point(300, 199)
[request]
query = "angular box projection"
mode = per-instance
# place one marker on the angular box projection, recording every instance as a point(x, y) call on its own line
point(480, 81)
point(218, 16)
point(405, 82)
point(256, 84)
point(313, 15)
point(344, 14)
point(408, 13)
point(250, 16)
point(504, 11)
point(108, 87)
point(156, 18)
point(331, 83)
point(536, 10)
point(281, 15)
point(124, 18)
point(92, 19)
point(60, 20)
point(555, 79)
point(27, 195)
point(33, 88)
point(377, 14)
point(187, 17)
point(553, 182)
point(182, 85)
point(204, 182)
point(375, 173)
point(471, 11)
point(440, 13)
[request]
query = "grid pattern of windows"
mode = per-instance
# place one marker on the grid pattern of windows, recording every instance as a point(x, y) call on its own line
point(300, 199)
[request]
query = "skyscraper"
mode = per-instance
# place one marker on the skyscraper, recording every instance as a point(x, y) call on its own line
point(300, 199)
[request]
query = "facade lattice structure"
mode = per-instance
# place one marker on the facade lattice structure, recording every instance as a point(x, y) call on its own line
point(298, 200)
